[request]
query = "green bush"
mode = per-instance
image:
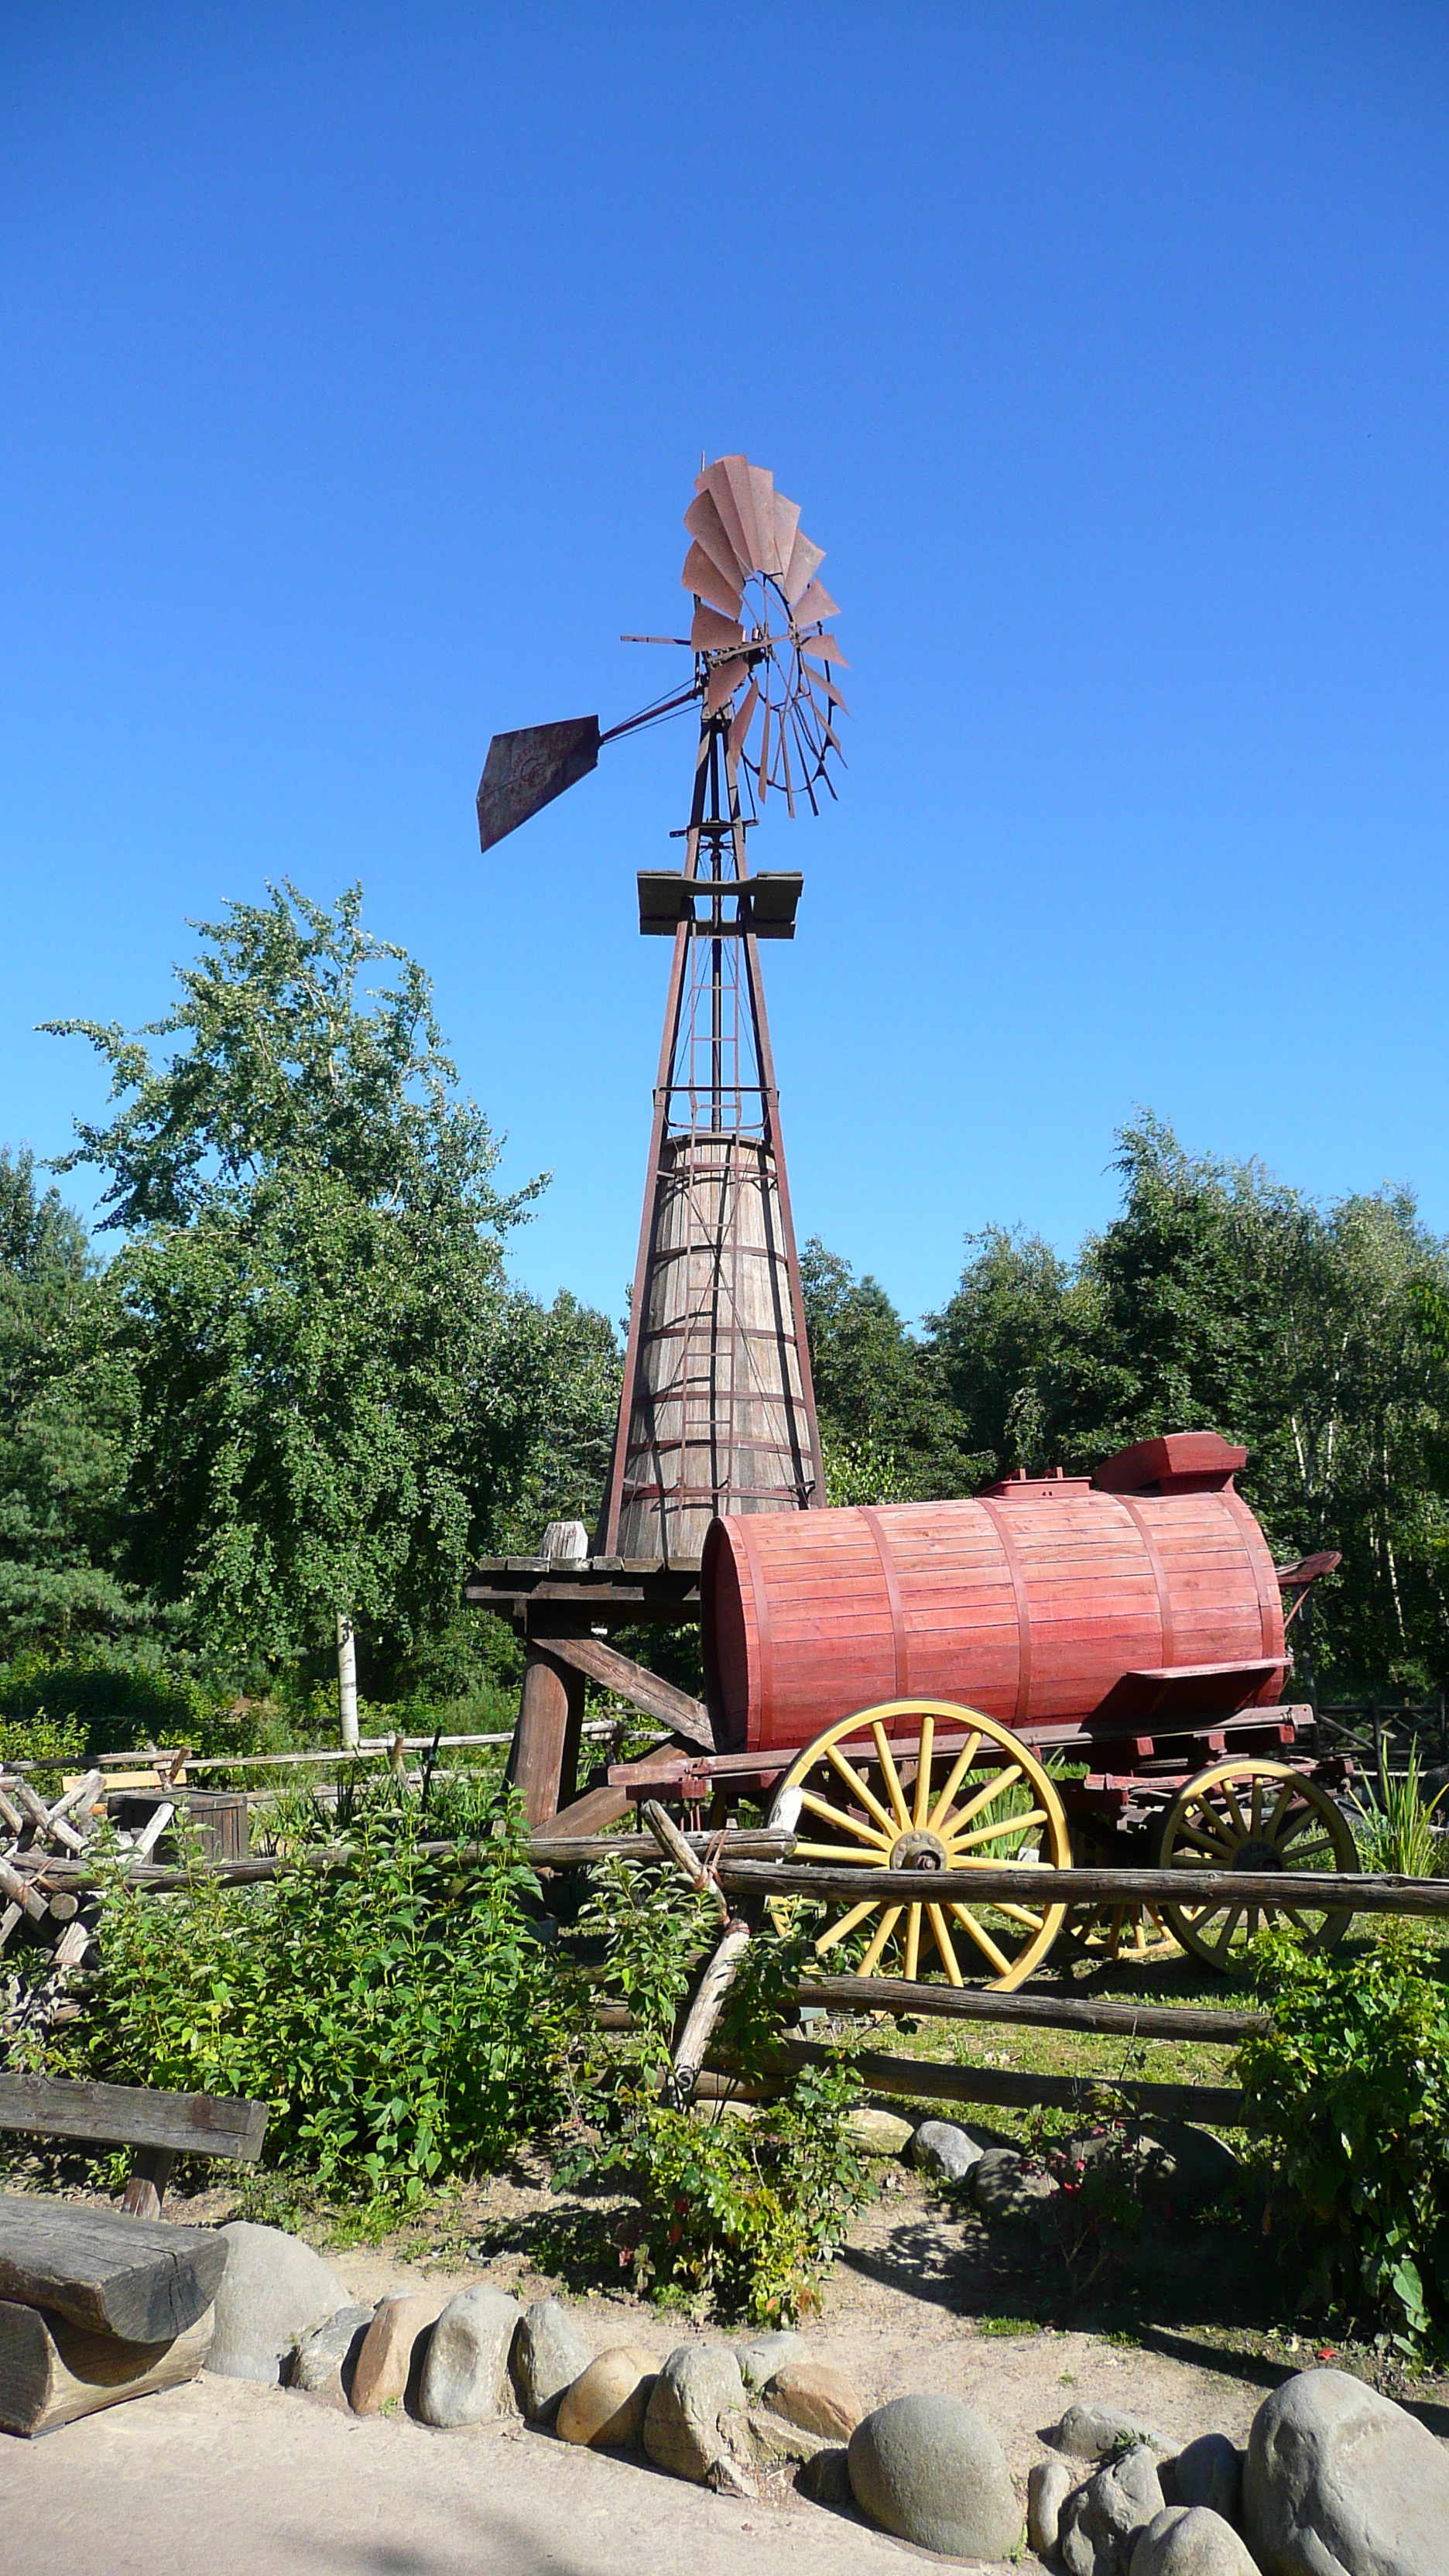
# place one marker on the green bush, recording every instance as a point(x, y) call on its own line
point(1349, 2092)
point(733, 2208)
point(401, 2016)
point(41, 1739)
point(115, 1703)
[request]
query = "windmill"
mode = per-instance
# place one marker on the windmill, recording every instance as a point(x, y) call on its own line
point(717, 1413)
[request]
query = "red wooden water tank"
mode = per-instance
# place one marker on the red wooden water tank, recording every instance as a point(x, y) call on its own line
point(1145, 1590)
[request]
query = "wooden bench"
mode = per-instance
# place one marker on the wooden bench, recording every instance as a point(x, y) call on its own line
point(159, 2126)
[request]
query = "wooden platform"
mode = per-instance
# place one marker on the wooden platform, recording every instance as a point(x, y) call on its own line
point(602, 1591)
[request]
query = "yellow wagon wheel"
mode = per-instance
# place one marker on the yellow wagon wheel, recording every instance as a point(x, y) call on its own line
point(1132, 1933)
point(1255, 1816)
point(953, 1790)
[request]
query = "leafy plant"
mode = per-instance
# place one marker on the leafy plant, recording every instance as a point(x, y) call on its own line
point(401, 2014)
point(1349, 2093)
point(1395, 1827)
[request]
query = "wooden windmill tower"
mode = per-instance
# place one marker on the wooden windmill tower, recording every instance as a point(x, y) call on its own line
point(718, 1411)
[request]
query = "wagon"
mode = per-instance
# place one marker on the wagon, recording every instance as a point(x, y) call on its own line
point(1064, 1670)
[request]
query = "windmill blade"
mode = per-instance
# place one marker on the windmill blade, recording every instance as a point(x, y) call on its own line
point(728, 481)
point(707, 582)
point(723, 681)
point(805, 561)
point(525, 771)
point(710, 634)
point(823, 648)
point(707, 527)
point(816, 605)
point(787, 520)
point(762, 496)
point(740, 729)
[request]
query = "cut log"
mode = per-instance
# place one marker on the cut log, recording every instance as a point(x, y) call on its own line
point(52, 2371)
point(127, 2277)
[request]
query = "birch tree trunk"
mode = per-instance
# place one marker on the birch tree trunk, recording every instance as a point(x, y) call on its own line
point(347, 1678)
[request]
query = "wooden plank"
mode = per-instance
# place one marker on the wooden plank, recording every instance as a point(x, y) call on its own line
point(1048, 2012)
point(1219, 2106)
point(126, 2115)
point(1318, 1888)
point(133, 2277)
point(550, 1707)
point(53, 2372)
point(632, 1682)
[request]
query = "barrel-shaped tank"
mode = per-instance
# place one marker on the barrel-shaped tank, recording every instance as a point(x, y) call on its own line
point(1046, 1601)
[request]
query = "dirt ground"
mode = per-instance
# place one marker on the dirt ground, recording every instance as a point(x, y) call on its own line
point(227, 2479)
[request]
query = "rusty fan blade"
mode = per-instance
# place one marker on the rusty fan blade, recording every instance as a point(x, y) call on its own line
point(787, 520)
point(705, 525)
point(726, 487)
point(702, 577)
point(723, 681)
point(709, 633)
point(823, 648)
point(815, 607)
point(805, 561)
point(740, 729)
point(525, 771)
point(762, 497)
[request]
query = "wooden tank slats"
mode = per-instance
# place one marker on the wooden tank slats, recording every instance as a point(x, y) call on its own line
point(1028, 1609)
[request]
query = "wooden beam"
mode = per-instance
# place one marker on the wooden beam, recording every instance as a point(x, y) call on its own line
point(1220, 2106)
point(125, 2115)
point(1039, 1887)
point(113, 2275)
point(632, 1682)
point(550, 1712)
point(1038, 2011)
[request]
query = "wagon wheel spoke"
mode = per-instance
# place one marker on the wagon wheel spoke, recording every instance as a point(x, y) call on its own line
point(1281, 1805)
point(888, 1922)
point(942, 1939)
point(913, 1943)
point(923, 1770)
point(1230, 1926)
point(1208, 1842)
point(829, 1815)
point(847, 1923)
point(892, 1778)
point(958, 1771)
point(861, 1790)
point(1005, 1778)
point(1255, 1811)
point(982, 1939)
point(841, 1854)
point(1003, 1825)
point(1021, 1914)
point(1235, 1811)
point(1307, 1851)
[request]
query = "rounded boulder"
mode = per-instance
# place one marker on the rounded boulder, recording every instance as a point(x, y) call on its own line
point(274, 2293)
point(1339, 2477)
point(929, 2470)
point(1189, 2540)
point(605, 2405)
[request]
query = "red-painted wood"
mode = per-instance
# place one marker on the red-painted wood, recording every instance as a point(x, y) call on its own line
point(1029, 1603)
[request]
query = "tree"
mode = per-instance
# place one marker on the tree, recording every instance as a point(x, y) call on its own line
point(887, 1434)
point(66, 1427)
point(311, 1281)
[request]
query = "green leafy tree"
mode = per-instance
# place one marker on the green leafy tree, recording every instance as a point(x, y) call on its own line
point(66, 1428)
point(311, 1281)
point(887, 1433)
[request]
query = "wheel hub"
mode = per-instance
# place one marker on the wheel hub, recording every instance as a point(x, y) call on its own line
point(1258, 1854)
point(918, 1851)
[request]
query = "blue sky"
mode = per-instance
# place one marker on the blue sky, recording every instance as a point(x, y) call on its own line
point(355, 363)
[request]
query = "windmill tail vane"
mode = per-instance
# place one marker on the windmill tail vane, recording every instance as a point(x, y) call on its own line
point(717, 1413)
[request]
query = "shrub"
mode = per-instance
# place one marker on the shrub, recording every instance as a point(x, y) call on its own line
point(401, 2016)
point(1349, 2091)
point(1395, 1828)
point(739, 2213)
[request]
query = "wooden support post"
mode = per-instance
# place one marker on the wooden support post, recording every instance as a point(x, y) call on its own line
point(545, 1744)
point(146, 2184)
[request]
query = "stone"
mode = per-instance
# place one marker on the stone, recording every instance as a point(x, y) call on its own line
point(323, 2364)
point(274, 2292)
point(465, 2369)
point(1188, 2540)
point(1339, 2481)
point(817, 2398)
point(761, 2440)
point(1048, 2485)
point(384, 2365)
point(605, 2406)
point(1099, 2524)
point(1095, 2432)
point(727, 2477)
point(1209, 2472)
point(549, 2354)
point(940, 2148)
point(699, 2385)
point(928, 2469)
point(878, 2133)
point(1187, 2167)
point(1004, 2189)
point(826, 2478)
point(760, 2360)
